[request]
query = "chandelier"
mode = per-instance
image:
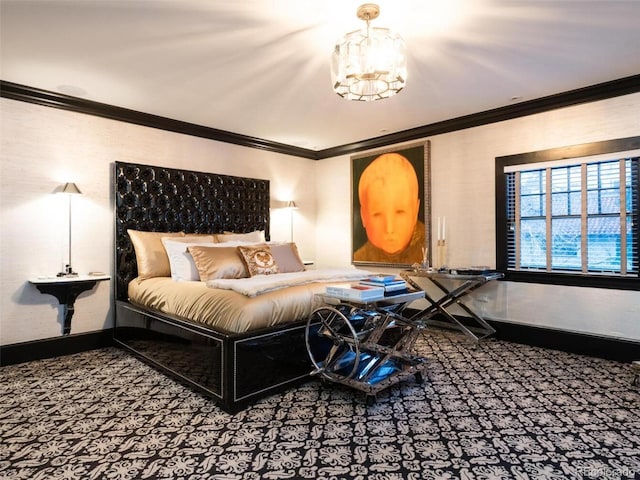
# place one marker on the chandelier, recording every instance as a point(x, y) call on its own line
point(371, 64)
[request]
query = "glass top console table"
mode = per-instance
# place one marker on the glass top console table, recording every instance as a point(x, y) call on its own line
point(453, 286)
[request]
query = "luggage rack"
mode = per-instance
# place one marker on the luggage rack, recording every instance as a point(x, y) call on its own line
point(364, 345)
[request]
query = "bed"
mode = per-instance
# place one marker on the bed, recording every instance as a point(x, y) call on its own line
point(253, 346)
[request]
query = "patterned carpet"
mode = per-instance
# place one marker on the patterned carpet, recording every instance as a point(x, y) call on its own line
point(493, 411)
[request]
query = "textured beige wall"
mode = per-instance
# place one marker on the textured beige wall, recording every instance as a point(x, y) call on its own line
point(462, 166)
point(42, 148)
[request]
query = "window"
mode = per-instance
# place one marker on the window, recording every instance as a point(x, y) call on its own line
point(572, 221)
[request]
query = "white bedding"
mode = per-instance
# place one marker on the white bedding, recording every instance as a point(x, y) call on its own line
point(267, 283)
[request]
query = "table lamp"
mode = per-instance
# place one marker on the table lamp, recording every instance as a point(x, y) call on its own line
point(291, 205)
point(69, 189)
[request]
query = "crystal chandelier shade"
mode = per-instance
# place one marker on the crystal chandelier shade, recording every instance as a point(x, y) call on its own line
point(369, 64)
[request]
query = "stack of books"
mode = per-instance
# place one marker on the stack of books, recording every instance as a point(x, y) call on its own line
point(391, 284)
point(373, 288)
point(356, 292)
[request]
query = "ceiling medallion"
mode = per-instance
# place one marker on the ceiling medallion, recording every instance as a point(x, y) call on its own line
point(369, 64)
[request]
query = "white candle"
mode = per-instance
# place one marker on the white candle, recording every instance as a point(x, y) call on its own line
point(444, 229)
point(438, 229)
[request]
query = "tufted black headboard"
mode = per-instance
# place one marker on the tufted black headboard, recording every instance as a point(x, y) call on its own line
point(158, 199)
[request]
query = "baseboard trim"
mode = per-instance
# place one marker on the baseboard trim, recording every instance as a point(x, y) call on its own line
point(55, 347)
point(579, 343)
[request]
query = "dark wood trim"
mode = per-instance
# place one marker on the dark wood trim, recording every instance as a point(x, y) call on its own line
point(601, 91)
point(575, 280)
point(573, 151)
point(560, 153)
point(555, 339)
point(500, 198)
point(55, 347)
point(47, 98)
point(579, 343)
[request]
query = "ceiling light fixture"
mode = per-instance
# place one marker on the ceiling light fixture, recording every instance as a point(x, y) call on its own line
point(371, 64)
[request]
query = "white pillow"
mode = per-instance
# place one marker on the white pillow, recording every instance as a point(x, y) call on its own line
point(256, 236)
point(181, 263)
point(237, 243)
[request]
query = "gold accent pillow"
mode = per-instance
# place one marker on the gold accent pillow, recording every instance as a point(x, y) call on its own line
point(217, 262)
point(151, 256)
point(287, 257)
point(259, 260)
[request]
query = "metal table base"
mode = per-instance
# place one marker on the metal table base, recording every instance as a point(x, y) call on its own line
point(365, 346)
point(464, 284)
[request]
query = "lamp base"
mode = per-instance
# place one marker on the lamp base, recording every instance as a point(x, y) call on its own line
point(68, 272)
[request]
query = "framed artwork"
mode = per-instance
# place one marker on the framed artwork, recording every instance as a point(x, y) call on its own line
point(391, 206)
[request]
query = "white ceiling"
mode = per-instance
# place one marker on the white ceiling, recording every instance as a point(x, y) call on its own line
point(261, 67)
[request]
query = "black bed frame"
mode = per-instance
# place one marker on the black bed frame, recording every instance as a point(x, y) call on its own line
point(234, 369)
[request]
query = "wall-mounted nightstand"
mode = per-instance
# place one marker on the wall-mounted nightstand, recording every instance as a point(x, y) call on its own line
point(66, 290)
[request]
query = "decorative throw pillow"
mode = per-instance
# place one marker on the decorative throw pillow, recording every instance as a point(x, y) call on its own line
point(287, 257)
point(259, 260)
point(183, 268)
point(254, 237)
point(151, 256)
point(215, 262)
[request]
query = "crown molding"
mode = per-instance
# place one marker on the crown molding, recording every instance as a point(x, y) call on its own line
point(47, 98)
point(601, 91)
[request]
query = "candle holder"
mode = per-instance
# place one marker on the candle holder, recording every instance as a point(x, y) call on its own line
point(441, 245)
point(442, 254)
point(425, 258)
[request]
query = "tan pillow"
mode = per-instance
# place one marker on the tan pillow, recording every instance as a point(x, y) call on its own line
point(151, 256)
point(287, 257)
point(255, 237)
point(259, 260)
point(217, 262)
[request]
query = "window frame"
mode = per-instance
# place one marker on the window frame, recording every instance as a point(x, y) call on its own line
point(532, 158)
